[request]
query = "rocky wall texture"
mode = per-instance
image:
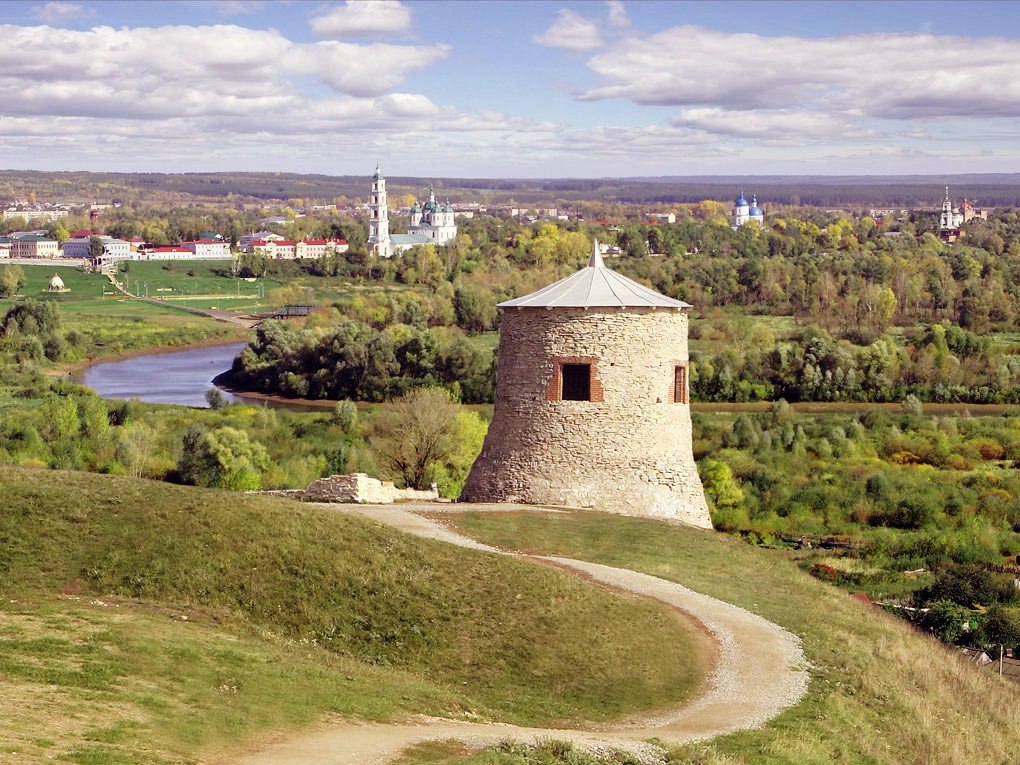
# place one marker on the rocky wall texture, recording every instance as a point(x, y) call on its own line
point(629, 453)
point(361, 488)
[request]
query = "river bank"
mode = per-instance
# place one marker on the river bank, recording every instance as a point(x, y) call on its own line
point(77, 367)
point(155, 366)
point(180, 376)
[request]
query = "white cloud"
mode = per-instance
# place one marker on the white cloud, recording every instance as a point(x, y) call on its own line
point(55, 13)
point(890, 76)
point(572, 32)
point(151, 72)
point(362, 70)
point(774, 126)
point(363, 18)
point(617, 13)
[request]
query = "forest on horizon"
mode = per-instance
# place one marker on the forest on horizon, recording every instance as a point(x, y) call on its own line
point(909, 191)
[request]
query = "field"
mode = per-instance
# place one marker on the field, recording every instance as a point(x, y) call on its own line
point(113, 324)
point(82, 286)
point(166, 623)
point(197, 283)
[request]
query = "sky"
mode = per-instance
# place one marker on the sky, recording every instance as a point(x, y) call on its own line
point(511, 89)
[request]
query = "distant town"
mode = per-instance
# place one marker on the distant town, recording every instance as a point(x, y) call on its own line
point(36, 229)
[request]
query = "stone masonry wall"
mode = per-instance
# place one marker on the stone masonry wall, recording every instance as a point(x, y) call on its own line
point(629, 453)
point(361, 488)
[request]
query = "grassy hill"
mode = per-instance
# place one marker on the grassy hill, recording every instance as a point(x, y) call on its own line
point(158, 622)
point(880, 692)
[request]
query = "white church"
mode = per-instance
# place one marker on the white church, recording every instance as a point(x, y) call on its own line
point(745, 213)
point(430, 223)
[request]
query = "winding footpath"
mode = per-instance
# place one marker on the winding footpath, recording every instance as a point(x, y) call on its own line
point(760, 671)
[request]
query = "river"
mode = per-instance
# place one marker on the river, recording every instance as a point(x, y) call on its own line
point(183, 377)
point(173, 377)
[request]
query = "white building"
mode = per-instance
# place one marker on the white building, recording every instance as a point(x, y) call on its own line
point(34, 246)
point(746, 213)
point(286, 249)
point(317, 248)
point(208, 249)
point(174, 252)
point(430, 223)
point(433, 220)
point(264, 236)
point(379, 218)
point(56, 284)
point(116, 249)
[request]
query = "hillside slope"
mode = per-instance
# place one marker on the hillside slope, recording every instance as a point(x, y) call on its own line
point(386, 623)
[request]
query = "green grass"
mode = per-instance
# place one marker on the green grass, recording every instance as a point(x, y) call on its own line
point(116, 325)
point(482, 635)
point(190, 277)
point(83, 286)
point(87, 678)
point(880, 692)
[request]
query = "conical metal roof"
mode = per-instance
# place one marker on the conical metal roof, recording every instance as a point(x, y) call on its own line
point(595, 287)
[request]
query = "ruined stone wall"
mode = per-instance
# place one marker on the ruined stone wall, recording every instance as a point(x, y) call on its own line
point(361, 488)
point(629, 453)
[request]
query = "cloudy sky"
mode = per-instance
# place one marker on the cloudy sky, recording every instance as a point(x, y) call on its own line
point(511, 89)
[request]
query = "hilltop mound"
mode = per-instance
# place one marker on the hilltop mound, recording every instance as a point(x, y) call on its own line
point(371, 611)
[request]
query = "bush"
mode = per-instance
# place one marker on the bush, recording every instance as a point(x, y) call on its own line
point(215, 398)
point(345, 415)
point(224, 458)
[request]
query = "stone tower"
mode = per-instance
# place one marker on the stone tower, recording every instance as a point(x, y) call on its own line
point(379, 223)
point(592, 402)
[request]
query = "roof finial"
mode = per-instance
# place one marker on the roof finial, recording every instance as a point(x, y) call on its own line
point(595, 261)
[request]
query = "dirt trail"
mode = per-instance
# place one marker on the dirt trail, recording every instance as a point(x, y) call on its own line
point(761, 670)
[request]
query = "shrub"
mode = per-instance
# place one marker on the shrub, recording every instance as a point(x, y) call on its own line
point(345, 415)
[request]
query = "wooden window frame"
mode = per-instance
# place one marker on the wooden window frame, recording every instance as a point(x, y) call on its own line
point(554, 388)
point(681, 384)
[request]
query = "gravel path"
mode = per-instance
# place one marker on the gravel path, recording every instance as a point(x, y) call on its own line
point(761, 670)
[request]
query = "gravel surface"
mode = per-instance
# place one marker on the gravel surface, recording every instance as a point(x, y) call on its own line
point(760, 671)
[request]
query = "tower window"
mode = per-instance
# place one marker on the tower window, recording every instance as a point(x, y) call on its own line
point(680, 384)
point(576, 382)
point(574, 378)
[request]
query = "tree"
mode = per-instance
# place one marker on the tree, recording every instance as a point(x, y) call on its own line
point(469, 435)
point(475, 307)
point(416, 432)
point(1000, 627)
point(215, 399)
point(720, 485)
point(345, 415)
point(96, 247)
point(225, 458)
point(12, 279)
point(134, 446)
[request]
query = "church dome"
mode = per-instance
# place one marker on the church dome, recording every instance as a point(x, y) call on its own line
point(741, 201)
point(56, 284)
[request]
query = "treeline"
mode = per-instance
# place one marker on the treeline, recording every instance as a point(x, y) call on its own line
point(919, 492)
point(352, 360)
point(1002, 189)
point(879, 317)
point(942, 363)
